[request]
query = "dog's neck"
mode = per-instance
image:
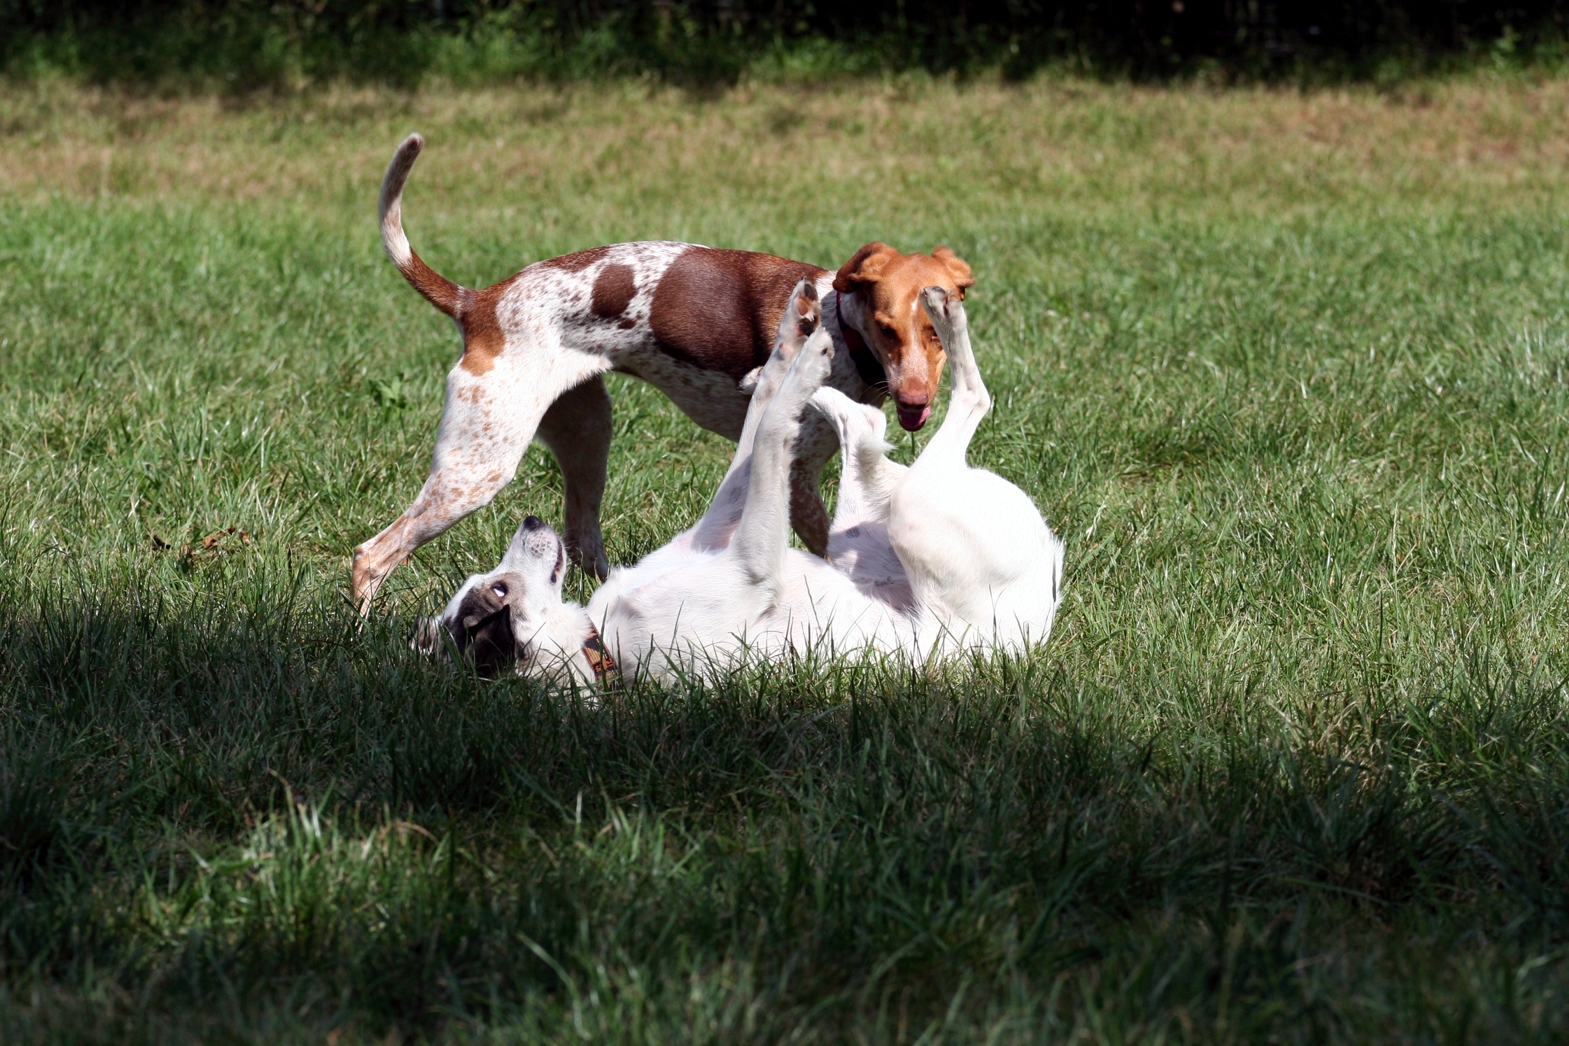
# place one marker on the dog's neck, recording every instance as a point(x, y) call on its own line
point(844, 333)
point(564, 638)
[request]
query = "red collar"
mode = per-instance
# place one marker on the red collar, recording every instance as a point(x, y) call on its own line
point(606, 674)
point(866, 362)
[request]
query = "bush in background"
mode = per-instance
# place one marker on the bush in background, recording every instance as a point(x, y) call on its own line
point(250, 44)
point(259, 43)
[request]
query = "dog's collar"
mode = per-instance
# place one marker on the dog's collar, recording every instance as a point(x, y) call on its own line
point(866, 363)
point(606, 674)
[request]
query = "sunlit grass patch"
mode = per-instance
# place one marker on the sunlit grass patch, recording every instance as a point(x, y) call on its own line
point(1286, 371)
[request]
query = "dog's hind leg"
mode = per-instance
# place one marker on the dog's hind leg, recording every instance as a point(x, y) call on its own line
point(486, 426)
point(969, 402)
point(763, 532)
point(577, 429)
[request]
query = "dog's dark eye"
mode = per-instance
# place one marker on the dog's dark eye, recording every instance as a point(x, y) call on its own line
point(500, 589)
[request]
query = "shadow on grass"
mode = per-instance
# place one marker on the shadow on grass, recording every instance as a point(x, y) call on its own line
point(242, 808)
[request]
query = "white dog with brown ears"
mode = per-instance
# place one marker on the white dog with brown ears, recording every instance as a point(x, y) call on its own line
point(924, 561)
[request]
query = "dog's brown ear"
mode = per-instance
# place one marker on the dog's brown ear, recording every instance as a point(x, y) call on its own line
point(957, 267)
point(483, 629)
point(866, 267)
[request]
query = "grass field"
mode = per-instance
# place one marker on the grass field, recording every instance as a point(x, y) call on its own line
point(1287, 372)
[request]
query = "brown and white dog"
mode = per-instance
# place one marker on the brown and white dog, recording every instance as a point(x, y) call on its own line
point(693, 321)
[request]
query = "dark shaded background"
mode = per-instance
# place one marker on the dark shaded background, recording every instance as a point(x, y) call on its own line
point(254, 42)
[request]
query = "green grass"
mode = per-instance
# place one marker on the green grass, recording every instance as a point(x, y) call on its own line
point(1288, 373)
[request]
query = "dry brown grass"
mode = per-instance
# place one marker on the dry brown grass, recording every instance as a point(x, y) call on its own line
point(1469, 144)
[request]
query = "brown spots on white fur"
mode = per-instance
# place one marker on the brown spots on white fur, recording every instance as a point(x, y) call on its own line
point(613, 291)
point(691, 320)
point(577, 261)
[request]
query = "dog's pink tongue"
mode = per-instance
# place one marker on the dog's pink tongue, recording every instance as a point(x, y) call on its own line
point(912, 418)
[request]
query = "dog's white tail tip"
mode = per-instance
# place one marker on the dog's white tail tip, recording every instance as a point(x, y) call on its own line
point(437, 289)
point(389, 205)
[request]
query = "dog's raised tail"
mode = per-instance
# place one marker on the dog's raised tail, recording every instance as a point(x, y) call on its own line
point(437, 289)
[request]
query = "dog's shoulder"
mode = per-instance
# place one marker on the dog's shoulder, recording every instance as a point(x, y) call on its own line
point(719, 309)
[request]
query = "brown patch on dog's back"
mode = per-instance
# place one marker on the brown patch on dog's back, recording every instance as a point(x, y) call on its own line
point(483, 339)
point(613, 291)
point(577, 261)
point(720, 310)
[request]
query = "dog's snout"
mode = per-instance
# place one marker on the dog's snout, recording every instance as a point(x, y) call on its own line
point(532, 523)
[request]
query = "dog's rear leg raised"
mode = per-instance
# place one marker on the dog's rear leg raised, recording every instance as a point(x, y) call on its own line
point(802, 317)
point(577, 429)
point(763, 533)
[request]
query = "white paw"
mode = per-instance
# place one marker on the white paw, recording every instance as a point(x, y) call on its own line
point(802, 317)
point(935, 301)
point(837, 408)
point(806, 309)
point(810, 368)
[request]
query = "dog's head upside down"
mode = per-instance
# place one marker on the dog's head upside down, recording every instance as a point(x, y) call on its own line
point(513, 618)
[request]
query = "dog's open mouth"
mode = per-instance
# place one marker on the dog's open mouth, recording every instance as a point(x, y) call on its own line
point(912, 418)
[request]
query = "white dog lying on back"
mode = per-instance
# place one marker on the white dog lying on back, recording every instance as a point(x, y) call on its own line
point(923, 561)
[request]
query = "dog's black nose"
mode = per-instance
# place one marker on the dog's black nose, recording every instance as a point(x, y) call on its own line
point(532, 522)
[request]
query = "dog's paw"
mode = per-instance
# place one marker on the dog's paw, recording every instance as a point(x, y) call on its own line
point(748, 382)
point(817, 357)
point(820, 344)
point(852, 421)
point(803, 316)
point(806, 309)
point(936, 302)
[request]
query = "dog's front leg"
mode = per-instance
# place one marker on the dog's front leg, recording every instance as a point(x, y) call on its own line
point(866, 476)
point(969, 402)
point(815, 445)
point(577, 429)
